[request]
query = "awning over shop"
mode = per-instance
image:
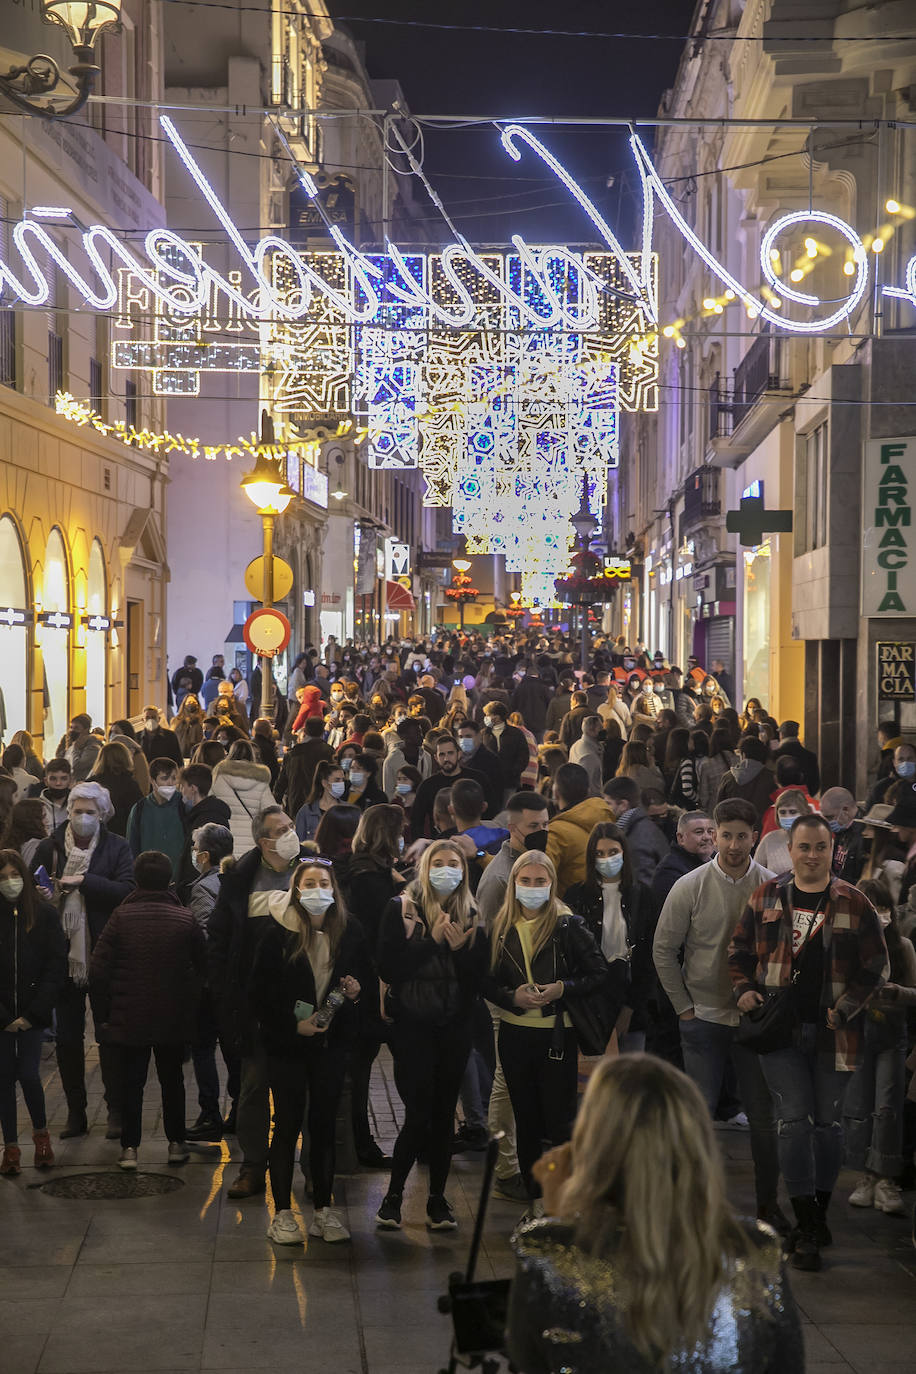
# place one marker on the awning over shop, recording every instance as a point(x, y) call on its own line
point(399, 598)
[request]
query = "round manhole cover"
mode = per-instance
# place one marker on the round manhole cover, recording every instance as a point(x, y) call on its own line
point(108, 1185)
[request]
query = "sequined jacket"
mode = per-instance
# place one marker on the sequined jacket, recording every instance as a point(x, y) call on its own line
point(563, 1319)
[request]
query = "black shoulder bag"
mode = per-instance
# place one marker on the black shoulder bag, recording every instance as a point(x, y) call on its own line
point(770, 1026)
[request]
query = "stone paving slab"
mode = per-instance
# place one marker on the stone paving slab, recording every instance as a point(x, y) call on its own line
point(187, 1283)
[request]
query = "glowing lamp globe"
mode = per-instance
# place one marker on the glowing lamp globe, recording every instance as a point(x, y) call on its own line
point(82, 20)
point(266, 489)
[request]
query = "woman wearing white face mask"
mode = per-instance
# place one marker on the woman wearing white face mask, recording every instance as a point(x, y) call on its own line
point(33, 970)
point(538, 953)
point(329, 787)
point(311, 958)
point(773, 850)
point(363, 790)
point(92, 871)
point(432, 954)
point(621, 914)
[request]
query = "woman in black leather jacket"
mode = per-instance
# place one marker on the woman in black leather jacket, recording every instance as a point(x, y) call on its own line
point(639, 1265)
point(310, 951)
point(539, 952)
point(621, 914)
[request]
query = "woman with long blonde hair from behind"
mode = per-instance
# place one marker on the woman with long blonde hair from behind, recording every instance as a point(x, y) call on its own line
point(539, 952)
point(640, 1260)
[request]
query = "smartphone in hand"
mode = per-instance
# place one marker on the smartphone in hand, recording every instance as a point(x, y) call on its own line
point(303, 1010)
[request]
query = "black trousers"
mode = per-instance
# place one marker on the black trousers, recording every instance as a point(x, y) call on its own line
point(362, 1057)
point(429, 1064)
point(316, 1077)
point(129, 1065)
point(542, 1090)
point(70, 1048)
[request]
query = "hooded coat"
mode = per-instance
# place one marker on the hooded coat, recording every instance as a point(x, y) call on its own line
point(311, 706)
point(245, 788)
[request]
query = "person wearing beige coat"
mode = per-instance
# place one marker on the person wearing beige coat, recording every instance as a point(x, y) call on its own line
point(245, 788)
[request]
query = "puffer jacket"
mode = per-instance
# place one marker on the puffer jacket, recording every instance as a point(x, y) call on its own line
point(245, 788)
point(33, 964)
point(567, 838)
point(146, 972)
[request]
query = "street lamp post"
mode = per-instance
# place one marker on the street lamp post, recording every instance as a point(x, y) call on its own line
point(268, 492)
point(583, 523)
point(462, 590)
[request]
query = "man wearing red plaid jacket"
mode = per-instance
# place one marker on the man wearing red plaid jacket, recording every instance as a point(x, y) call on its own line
point(814, 933)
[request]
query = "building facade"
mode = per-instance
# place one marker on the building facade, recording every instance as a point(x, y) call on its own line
point(273, 95)
point(83, 567)
point(750, 410)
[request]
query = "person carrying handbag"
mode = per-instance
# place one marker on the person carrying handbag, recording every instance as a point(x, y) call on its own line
point(548, 979)
point(432, 954)
point(822, 938)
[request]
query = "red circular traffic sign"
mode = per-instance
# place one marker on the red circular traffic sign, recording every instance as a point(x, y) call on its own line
point(267, 632)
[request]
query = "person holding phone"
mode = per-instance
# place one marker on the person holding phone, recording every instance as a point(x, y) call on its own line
point(310, 949)
point(432, 953)
point(539, 951)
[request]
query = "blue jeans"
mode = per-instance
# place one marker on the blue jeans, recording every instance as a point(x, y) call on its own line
point(708, 1048)
point(20, 1061)
point(808, 1094)
point(873, 1110)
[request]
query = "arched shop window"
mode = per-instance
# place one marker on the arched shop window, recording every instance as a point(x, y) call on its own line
point(14, 639)
point(55, 644)
point(97, 640)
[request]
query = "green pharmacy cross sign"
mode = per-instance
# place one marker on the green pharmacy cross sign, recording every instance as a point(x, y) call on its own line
point(752, 521)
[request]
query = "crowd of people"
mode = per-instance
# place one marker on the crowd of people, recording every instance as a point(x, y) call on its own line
point(512, 872)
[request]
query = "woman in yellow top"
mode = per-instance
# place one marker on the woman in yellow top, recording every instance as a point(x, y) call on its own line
point(539, 952)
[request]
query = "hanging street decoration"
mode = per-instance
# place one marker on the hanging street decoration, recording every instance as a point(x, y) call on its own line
point(500, 374)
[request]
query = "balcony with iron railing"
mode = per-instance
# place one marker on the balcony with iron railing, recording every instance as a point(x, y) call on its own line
point(740, 421)
point(702, 499)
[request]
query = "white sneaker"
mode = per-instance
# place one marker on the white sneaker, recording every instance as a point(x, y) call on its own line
point(127, 1159)
point(284, 1229)
point(328, 1226)
point(863, 1195)
point(178, 1152)
point(738, 1122)
point(888, 1198)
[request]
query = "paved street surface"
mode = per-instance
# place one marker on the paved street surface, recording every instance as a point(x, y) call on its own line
point(188, 1281)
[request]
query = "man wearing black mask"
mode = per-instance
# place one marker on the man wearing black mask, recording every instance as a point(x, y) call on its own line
point(527, 821)
point(58, 778)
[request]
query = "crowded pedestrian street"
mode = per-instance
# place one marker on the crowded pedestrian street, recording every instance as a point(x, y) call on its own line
point(457, 687)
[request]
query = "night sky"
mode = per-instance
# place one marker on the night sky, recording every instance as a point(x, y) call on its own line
point(514, 75)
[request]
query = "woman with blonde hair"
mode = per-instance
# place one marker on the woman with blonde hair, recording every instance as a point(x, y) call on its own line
point(33, 763)
point(640, 1260)
point(635, 764)
point(539, 954)
point(309, 951)
point(432, 953)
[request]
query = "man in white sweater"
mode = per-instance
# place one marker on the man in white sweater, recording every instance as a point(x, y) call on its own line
point(698, 918)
